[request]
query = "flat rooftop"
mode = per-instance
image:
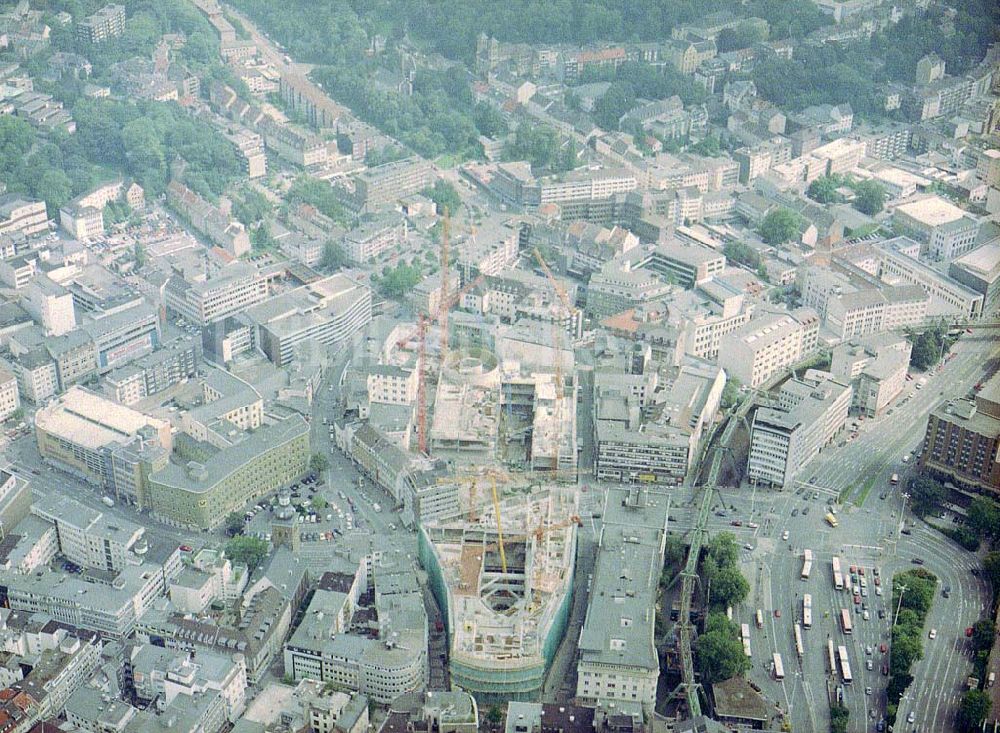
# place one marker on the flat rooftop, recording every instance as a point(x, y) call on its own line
point(932, 211)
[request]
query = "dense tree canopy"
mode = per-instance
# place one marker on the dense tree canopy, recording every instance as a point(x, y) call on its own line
point(250, 551)
point(973, 710)
point(869, 197)
point(779, 226)
point(719, 656)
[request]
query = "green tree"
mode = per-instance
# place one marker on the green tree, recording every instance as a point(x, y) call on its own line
point(779, 225)
point(719, 656)
point(724, 549)
point(318, 463)
point(55, 187)
point(719, 622)
point(318, 503)
point(991, 569)
point(333, 257)
point(674, 552)
point(489, 120)
point(16, 416)
point(928, 347)
point(494, 715)
point(250, 551)
point(925, 495)
point(973, 710)
point(139, 253)
point(824, 190)
point(730, 393)
point(984, 517)
point(983, 633)
point(743, 254)
point(869, 197)
point(234, 524)
point(398, 281)
point(729, 587)
point(906, 649)
point(444, 195)
point(839, 717)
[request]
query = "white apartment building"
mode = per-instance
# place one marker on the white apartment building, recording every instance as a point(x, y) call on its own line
point(392, 385)
point(51, 305)
point(18, 214)
point(10, 398)
point(948, 297)
point(783, 441)
point(768, 344)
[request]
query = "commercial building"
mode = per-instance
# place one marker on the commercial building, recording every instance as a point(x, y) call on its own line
point(106, 23)
point(215, 296)
point(962, 443)
point(51, 305)
point(328, 311)
point(505, 609)
point(768, 344)
point(256, 632)
point(944, 230)
point(201, 493)
point(154, 372)
point(159, 676)
point(82, 432)
point(336, 644)
point(296, 145)
point(784, 440)
point(18, 214)
point(617, 658)
point(980, 271)
point(618, 287)
point(109, 608)
point(840, 156)
point(120, 337)
point(647, 431)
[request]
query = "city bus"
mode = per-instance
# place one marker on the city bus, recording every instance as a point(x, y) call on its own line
point(807, 564)
point(831, 520)
point(838, 578)
point(779, 668)
point(807, 611)
point(894, 480)
point(831, 656)
point(760, 619)
point(845, 666)
point(798, 641)
point(845, 621)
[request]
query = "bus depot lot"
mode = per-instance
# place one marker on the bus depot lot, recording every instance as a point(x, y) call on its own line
point(862, 539)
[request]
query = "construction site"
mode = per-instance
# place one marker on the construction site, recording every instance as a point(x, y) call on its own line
point(503, 578)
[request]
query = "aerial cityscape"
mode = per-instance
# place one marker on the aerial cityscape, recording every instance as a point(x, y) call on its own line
point(454, 366)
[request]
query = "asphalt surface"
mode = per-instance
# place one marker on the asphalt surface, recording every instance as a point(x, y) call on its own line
point(869, 534)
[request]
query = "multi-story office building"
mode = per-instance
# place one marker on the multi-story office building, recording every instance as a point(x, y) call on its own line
point(876, 367)
point(296, 145)
point(944, 230)
point(201, 493)
point(10, 398)
point(74, 358)
point(106, 23)
point(617, 659)
point(328, 311)
point(962, 443)
point(392, 385)
point(768, 344)
point(686, 264)
point(86, 536)
point(37, 379)
point(223, 293)
point(18, 214)
point(784, 440)
point(897, 262)
point(980, 270)
point(618, 286)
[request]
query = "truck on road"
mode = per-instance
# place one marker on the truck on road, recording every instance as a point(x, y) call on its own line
point(107, 501)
